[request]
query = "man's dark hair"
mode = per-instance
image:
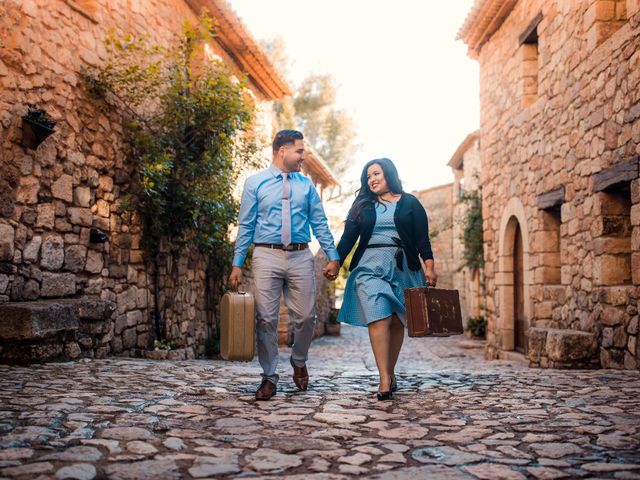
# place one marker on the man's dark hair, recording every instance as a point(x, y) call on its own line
point(284, 137)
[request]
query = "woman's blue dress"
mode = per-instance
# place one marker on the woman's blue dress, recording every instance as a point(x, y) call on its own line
point(375, 288)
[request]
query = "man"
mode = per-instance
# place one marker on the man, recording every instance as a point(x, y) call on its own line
point(278, 205)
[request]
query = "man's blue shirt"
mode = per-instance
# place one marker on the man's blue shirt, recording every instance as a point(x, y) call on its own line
point(260, 218)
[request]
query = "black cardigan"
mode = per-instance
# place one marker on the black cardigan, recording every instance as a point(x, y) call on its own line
point(411, 223)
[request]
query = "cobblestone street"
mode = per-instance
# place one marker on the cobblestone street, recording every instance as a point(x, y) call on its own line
point(455, 416)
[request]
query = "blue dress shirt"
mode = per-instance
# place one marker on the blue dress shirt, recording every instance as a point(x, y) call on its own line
point(260, 218)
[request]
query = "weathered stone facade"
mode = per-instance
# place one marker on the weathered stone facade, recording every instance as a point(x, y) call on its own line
point(560, 142)
point(62, 232)
point(438, 203)
point(465, 164)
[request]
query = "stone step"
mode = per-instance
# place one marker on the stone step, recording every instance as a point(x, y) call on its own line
point(46, 318)
point(562, 348)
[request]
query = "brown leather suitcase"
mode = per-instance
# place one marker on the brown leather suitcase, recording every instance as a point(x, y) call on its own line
point(237, 326)
point(433, 312)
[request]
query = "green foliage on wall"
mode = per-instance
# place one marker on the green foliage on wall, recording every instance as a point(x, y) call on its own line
point(472, 235)
point(187, 121)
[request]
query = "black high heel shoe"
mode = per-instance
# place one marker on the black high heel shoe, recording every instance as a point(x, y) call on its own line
point(394, 385)
point(384, 396)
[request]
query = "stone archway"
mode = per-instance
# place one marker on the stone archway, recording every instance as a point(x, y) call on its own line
point(513, 230)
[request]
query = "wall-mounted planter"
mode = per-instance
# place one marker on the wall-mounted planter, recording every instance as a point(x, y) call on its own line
point(37, 125)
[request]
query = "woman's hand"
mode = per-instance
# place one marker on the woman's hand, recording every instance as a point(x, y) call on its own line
point(430, 273)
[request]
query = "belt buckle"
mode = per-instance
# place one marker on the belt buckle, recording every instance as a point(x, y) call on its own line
point(288, 248)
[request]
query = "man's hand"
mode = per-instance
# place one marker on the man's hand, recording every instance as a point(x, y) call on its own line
point(331, 270)
point(235, 279)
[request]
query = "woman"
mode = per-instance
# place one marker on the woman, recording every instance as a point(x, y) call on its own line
point(393, 231)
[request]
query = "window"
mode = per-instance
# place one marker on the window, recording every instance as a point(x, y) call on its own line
point(529, 62)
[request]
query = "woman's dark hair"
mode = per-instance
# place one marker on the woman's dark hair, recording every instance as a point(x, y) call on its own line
point(364, 195)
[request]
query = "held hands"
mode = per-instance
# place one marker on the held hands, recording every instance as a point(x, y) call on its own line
point(331, 270)
point(235, 279)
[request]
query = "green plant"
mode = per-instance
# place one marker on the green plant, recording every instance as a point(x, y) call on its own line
point(472, 234)
point(477, 326)
point(187, 121)
point(169, 344)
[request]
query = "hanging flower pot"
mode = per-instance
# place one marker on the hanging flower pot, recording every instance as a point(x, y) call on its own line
point(37, 125)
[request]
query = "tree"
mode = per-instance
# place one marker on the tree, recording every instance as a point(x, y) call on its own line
point(328, 129)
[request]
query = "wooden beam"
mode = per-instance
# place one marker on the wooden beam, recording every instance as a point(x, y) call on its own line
point(551, 199)
point(622, 172)
point(530, 35)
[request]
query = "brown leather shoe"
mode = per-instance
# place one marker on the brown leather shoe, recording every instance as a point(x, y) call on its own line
point(267, 390)
point(300, 376)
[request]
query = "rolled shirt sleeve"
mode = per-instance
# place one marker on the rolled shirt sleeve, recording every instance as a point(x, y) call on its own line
point(246, 224)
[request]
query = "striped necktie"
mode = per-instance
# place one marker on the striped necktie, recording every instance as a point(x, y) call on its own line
point(286, 211)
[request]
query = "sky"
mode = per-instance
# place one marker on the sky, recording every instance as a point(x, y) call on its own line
point(408, 85)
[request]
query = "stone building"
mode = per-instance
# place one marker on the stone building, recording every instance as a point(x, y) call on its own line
point(465, 164)
point(560, 131)
point(438, 203)
point(73, 281)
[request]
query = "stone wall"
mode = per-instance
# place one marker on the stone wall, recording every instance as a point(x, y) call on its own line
point(58, 200)
point(560, 119)
point(438, 202)
point(465, 280)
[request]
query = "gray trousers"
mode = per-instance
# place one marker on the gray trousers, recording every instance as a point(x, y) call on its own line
point(276, 272)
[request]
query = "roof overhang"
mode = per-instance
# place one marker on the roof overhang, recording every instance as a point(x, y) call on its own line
point(318, 170)
point(238, 43)
point(456, 160)
point(484, 19)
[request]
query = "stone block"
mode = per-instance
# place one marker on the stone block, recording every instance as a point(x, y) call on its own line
point(635, 215)
point(106, 184)
point(127, 300)
point(63, 188)
point(46, 215)
point(28, 190)
point(52, 252)
point(94, 309)
point(611, 245)
point(7, 241)
point(543, 310)
point(134, 318)
point(612, 316)
point(612, 270)
point(58, 284)
point(75, 258)
point(4, 283)
point(95, 262)
point(620, 337)
point(635, 268)
point(80, 216)
point(103, 208)
point(570, 345)
point(537, 338)
point(632, 329)
point(31, 252)
point(34, 320)
point(82, 196)
point(129, 338)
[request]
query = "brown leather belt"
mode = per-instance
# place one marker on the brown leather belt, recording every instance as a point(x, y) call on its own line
point(278, 246)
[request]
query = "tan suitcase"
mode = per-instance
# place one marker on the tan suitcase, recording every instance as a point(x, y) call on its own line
point(237, 326)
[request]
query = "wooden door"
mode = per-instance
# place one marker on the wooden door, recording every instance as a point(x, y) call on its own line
point(520, 322)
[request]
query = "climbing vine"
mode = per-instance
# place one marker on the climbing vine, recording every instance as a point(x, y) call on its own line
point(187, 121)
point(472, 234)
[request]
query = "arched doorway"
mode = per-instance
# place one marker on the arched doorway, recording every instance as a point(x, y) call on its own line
point(513, 281)
point(519, 319)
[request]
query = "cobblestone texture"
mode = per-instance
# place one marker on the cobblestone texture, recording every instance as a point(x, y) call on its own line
point(455, 416)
